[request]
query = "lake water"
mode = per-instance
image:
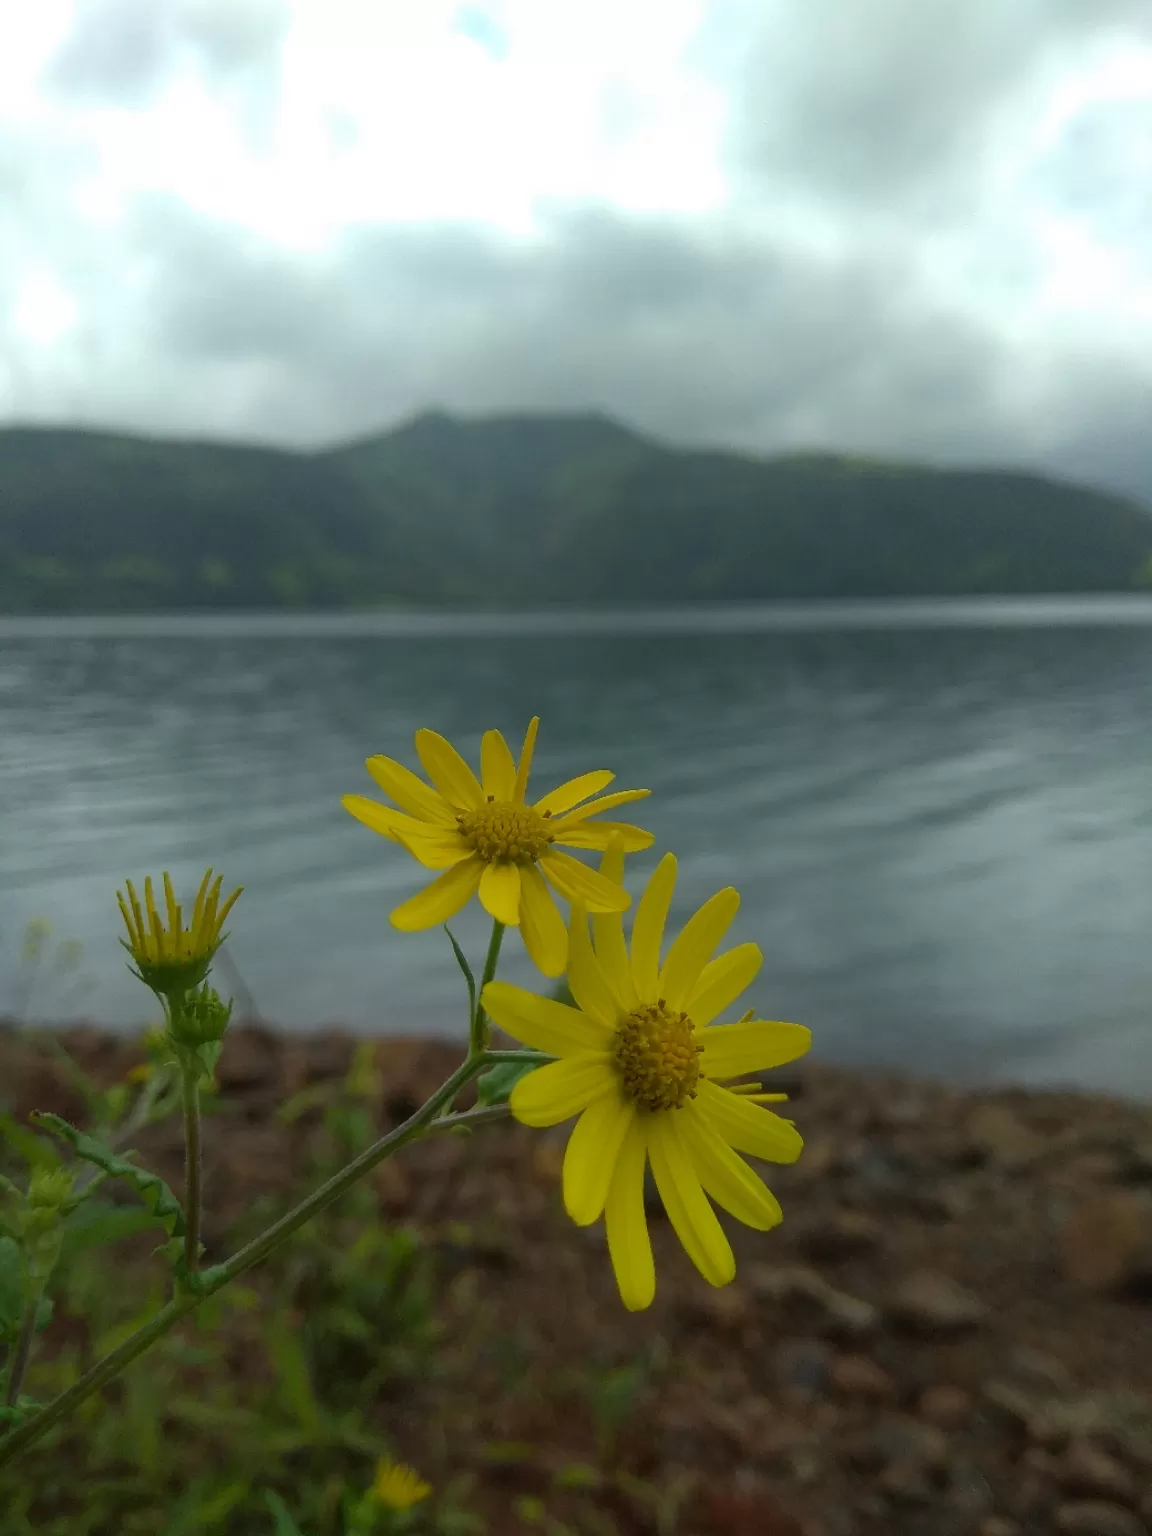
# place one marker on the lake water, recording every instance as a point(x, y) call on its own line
point(939, 815)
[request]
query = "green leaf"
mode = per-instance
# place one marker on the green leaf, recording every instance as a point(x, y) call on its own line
point(462, 962)
point(285, 1525)
point(35, 1150)
point(96, 1223)
point(11, 1290)
point(151, 1188)
point(295, 1379)
point(44, 1310)
point(495, 1085)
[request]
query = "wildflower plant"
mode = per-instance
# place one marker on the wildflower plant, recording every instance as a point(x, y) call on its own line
point(639, 1061)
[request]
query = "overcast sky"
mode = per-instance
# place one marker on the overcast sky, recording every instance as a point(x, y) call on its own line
point(920, 227)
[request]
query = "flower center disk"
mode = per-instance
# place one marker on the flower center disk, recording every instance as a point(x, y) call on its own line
point(516, 834)
point(657, 1056)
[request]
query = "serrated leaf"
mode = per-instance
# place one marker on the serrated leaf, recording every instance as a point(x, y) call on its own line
point(495, 1085)
point(151, 1188)
point(462, 962)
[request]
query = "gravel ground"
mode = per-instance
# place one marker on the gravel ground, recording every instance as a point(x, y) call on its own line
point(949, 1335)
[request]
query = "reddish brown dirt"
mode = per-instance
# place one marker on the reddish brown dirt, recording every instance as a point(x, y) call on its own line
point(949, 1335)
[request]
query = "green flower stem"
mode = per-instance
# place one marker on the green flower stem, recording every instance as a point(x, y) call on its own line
point(23, 1350)
point(212, 1280)
point(481, 1030)
point(193, 1164)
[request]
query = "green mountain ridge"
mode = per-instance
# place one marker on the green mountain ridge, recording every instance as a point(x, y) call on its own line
point(525, 510)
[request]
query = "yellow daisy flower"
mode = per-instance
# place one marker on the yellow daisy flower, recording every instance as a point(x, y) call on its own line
point(488, 839)
point(644, 1067)
point(398, 1486)
point(173, 957)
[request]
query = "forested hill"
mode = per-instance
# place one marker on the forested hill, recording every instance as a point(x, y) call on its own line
point(526, 511)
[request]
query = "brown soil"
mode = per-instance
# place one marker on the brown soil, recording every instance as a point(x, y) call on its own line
point(951, 1332)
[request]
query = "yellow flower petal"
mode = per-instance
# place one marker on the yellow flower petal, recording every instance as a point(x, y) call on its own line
point(629, 1245)
point(524, 766)
point(448, 770)
point(579, 883)
point(567, 795)
point(605, 803)
point(608, 935)
point(590, 1157)
point(586, 978)
point(541, 925)
point(435, 848)
point(562, 1089)
point(500, 892)
point(747, 1127)
point(380, 818)
point(542, 1023)
point(435, 852)
point(722, 980)
point(410, 793)
point(726, 1176)
point(497, 767)
point(600, 833)
point(730, 1050)
point(648, 928)
point(440, 900)
point(694, 945)
point(693, 1219)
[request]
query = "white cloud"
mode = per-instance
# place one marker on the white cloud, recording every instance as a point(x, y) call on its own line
point(733, 220)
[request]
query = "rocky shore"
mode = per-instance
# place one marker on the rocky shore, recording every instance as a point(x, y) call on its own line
point(949, 1335)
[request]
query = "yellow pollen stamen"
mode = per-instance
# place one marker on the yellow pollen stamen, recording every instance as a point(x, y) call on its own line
point(657, 1056)
point(502, 830)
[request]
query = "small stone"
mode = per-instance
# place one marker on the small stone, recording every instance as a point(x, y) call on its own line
point(905, 1484)
point(1013, 1405)
point(821, 1158)
point(1096, 1518)
point(900, 1441)
point(841, 1235)
point(945, 1407)
point(934, 1303)
point(842, 1313)
point(801, 1367)
point(1105, 1243)
point(1002, 1137)
point(1090, 1473)
point(727, 1307)
point(858, 1376)
point(1041, 1461)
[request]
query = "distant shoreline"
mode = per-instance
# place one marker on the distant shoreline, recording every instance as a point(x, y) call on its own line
point(1026, 610)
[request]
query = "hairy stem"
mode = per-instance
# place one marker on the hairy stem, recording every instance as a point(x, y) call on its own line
point(212, 1280)
point(193, 1165)
point(23, 1351)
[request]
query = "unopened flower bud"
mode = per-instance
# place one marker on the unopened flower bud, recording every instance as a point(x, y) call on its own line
point(200, 1018)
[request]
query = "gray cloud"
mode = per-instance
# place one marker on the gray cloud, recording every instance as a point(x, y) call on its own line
point(881, 119)
point(124, 50)
point(898, 106)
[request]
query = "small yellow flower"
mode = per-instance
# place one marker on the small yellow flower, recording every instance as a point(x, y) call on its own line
point(489, 840)
point(645, 1068)
point(397, 1486)
point(173, 958)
